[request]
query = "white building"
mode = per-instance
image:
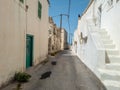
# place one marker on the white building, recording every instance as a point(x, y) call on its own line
point(97, 40)
point(23, 35)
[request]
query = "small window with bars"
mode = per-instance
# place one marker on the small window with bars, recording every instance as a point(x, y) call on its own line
point(117, 0)
point(39, 9)
point(22, 1)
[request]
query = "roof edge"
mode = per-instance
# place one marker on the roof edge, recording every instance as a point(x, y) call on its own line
point(91, 1)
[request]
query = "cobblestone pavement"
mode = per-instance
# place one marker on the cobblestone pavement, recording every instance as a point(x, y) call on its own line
point(68, 74)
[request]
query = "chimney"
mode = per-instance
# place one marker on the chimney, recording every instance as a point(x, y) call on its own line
point(79, 17)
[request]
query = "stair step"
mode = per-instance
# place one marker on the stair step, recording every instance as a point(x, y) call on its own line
point(110, 74)
point(112, 85)
point(113, 66)
point(114, 59)
point(102, 30)
point(112, 52)
point(107, 41)
point(105, 37)
point(103, 33)
point(109, 46)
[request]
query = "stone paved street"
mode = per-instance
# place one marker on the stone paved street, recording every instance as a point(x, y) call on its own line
point(68, 74)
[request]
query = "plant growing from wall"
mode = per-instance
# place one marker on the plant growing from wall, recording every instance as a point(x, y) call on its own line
point(21, 77)
point(53, 54)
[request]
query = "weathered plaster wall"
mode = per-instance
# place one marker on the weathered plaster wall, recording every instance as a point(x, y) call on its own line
point(15, 23)
point(12, 39)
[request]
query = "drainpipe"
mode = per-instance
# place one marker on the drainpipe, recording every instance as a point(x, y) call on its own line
point(26, 9)
point(25, 32)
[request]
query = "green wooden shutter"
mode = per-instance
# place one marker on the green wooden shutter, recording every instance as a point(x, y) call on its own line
point(21, 1)
point(39, 9)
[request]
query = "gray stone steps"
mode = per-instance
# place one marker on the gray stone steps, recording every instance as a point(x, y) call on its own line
point(109, 46)
point(114, 59)
point(111, 65)
point(112, 85)
point(112, 52)
point(107, 41)
point(110, 74)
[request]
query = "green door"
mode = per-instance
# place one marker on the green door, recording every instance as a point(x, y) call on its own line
point(29, 50)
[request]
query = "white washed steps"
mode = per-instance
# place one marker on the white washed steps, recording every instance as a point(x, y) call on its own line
point(103, 31)
point(112, 85)
point(112, 52)
point(105, 37)
point(113, 66)
point(107, 41)
point(109, 46)
point(114, 59)
point(110, 75)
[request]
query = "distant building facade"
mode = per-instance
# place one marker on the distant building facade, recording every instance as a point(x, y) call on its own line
point(24, 35)
point(57, 37)
point(64, 43)
point(54, 37)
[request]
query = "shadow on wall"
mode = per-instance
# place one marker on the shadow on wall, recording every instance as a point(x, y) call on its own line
point(106, 58)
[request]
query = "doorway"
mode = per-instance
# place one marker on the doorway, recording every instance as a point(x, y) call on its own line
point(29, 50)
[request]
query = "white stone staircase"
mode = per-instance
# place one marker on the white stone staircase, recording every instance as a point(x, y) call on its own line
point(110, 75)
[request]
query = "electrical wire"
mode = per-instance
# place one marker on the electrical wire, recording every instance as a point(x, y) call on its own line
point(69, 19)
point(55, 16)
point(69, 7)
point(68, 15)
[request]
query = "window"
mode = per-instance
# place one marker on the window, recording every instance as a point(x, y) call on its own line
point(110, 2)
point(39, 9)
point(100, 8)
point(117, 0)
point(21, 1)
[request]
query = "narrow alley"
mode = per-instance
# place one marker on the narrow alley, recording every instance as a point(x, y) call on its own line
point(69, 73)
point(59, 45)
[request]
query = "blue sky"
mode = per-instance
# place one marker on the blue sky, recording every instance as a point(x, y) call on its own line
point(58, 7)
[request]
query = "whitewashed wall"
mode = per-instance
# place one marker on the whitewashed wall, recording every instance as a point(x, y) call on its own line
point(92, 52)
point(111, 21)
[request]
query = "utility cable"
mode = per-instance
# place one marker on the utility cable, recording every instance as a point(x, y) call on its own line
point(69, 19)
